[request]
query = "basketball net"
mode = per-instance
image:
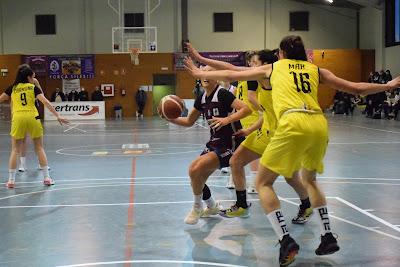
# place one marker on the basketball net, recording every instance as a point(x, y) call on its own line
point(134, 52)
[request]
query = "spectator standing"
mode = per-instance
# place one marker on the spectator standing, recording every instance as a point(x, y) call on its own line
point(388, 76)
point(97, 95)
point(83, 95)
point(73, 96)
point(141, 98)
point(58, 96)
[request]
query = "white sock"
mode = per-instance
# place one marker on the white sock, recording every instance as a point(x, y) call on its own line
point(45, 171)
point(210, 202)
point(22, 161)
point(323, 219)
point(254, 174)
point(197, 201)
point(278, 223)
point(11, 174)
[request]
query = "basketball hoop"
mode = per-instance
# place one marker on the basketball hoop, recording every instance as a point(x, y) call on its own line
point(134, 52)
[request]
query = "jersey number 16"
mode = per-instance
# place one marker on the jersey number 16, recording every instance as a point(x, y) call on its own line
point(301, 80)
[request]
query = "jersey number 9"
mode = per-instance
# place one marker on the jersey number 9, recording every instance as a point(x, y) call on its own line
point(23, 99)
point(303, 85)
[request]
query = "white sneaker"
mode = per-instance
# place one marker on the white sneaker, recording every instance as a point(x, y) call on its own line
point(22, 169)
point(40, 168)
point(230, 184)
point(48, 181)
point(225, 170)
point(193, 216)
point(207, 212)
point(251, 189)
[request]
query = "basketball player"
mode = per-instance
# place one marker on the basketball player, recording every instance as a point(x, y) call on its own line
point(258, 137)
point(217, 105)
point(301, 137)
point(25, 120)
point(22, 153)
point(247, 92)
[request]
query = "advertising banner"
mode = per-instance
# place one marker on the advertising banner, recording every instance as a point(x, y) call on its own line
point(81, 110)
point(235, 58)
point(71, 67)
point(38, 64)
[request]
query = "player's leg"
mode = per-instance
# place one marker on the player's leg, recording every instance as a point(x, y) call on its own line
point(305, 209)
point(238, 161)
point(251, 187)
point(22, 155)
point(12, 164)
point(41, 154)
point(328, 243)
point(271, 205)
point(199, 171)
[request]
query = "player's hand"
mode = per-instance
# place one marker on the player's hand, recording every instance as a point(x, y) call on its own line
point(242, 133)
point(395, 83)
point(218, 123)
point(192, 68)
point(193, 52)
point(62, 121)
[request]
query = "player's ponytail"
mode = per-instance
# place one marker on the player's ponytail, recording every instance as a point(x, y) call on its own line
point(293, 48)
point(24, 71)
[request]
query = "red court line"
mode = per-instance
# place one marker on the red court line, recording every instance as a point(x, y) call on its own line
point(130, 222)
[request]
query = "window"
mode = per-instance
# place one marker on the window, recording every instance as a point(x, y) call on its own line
point(223, 22)
point(45, 24)
point(134, 20)
point(392, 23)
point(299, 21)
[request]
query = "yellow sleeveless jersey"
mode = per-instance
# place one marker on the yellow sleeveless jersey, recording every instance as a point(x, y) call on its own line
point(23, 97)
point(295, 86)
point(265, 101)
point(242, 93)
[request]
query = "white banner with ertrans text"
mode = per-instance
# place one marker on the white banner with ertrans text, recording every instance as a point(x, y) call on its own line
point(85, 110)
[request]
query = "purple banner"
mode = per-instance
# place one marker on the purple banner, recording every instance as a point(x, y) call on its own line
point(71, 67)
point(38, 64)
point(235, 58)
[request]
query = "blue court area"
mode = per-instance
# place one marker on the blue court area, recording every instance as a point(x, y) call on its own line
point(122, 192)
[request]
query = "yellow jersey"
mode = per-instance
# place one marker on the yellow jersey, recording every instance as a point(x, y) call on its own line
point(242, 93)
point(295, 86)
point(23, 96)
point(265, 101)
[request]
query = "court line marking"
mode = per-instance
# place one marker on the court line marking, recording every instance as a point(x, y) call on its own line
point(347, 221)
point(367, 143)
point(363, 127)
point(127, 204)
point(153, 261)
point(376, 218)
point(280, 179)
point(287, 200)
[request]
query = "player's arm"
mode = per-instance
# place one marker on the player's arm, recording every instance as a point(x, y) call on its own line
point(340, 84)
point(4, 97)
point(189, 120)
point(48, 105)
point(252, 94)
point(242, 111)
point(216, 64)
point(255, 126)
point(256, 73)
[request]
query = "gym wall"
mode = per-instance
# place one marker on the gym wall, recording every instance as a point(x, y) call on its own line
point(349, 64)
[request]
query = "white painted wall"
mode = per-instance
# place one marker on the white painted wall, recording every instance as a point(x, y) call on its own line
point(84, 26)
point(392, 59)
point(371, 33)
point(267, 21)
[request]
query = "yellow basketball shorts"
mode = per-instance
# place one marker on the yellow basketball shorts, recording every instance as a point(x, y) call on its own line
point(257, 141)
point(300, 141)
point(24, 123)
point(248, 121)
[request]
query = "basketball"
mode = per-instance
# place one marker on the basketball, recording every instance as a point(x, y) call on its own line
point(170, 107)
